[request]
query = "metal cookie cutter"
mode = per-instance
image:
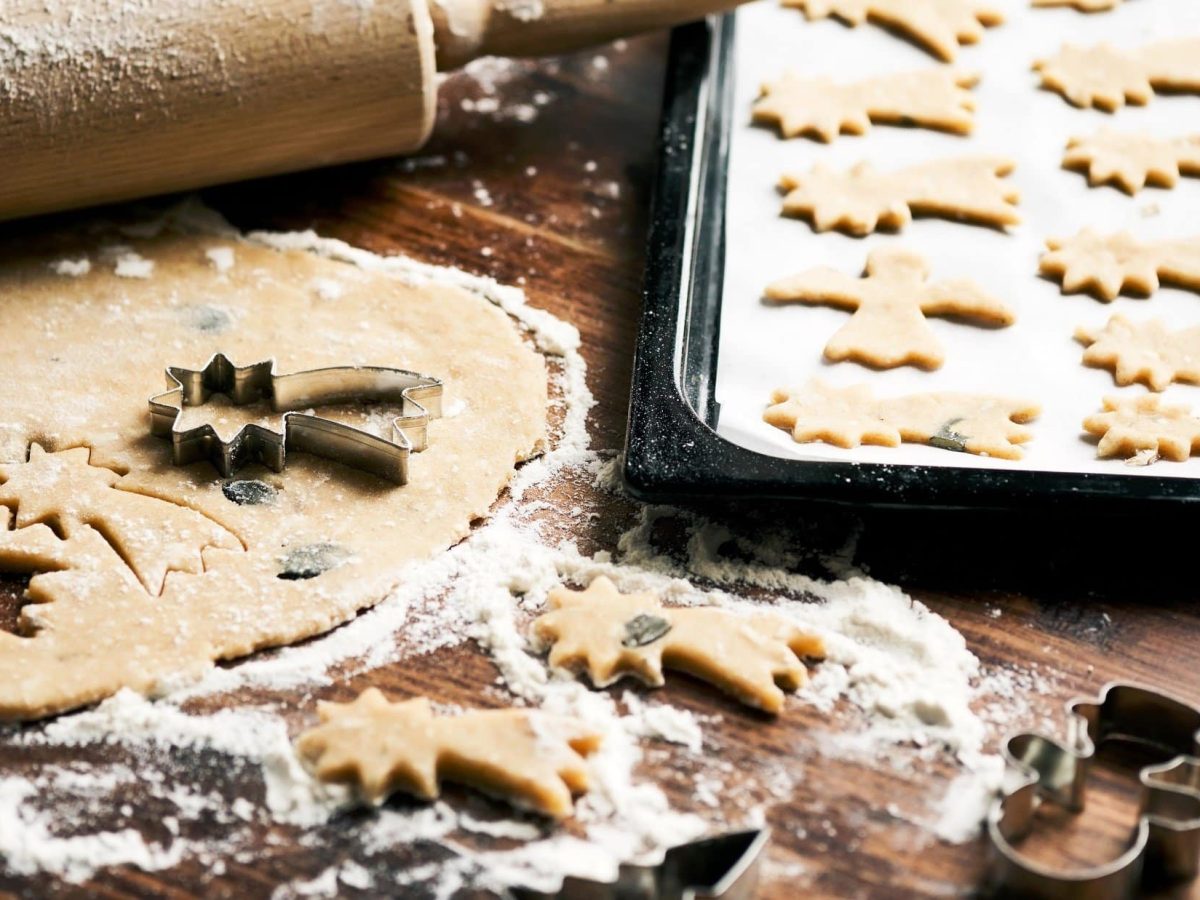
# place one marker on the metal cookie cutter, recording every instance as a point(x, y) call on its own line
point(718, 868)
point(420, 399)
point(1165, 845)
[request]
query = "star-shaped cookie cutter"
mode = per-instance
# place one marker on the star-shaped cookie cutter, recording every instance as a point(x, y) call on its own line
point(1165, 845)
point(419, 397)
point(724, 867)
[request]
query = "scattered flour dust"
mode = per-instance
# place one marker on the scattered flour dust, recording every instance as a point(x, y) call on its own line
point(906, 670)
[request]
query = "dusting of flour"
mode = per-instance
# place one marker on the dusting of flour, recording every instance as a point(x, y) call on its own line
point(906, 673)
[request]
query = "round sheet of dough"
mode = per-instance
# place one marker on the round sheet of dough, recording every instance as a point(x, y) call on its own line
point(143, 569)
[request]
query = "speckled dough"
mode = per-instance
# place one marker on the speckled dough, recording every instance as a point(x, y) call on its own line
point(611, 635)
point(1107, 78)
point(932, 98)
point(1131, 425)
point(533, 759)
point(889, 303)
point(941, 26)
point(142, 570)
point(1146, 352)
point(1107, 265)
point(1131, 161)
point(848, 417)
point(862, 200)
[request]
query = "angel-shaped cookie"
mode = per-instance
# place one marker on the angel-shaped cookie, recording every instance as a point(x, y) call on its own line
point(848, 417)
point(1107, 78)
point(1133, 160)
point(1107, 265)
point(1132, 425)
point(862, 200)
point(533, 759)
point(931, 98)
point(611, 635)
point(1148, 352)
point(890, 302)
point(941, 26)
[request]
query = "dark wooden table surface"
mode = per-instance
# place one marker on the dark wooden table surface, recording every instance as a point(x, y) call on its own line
point(560, 204)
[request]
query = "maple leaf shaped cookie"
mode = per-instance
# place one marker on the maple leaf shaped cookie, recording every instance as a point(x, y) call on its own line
point(932, 98)
point(612, 635)
point(1131, 161)
point(1132, 425)
point(1107, 265)
point(890, 302)
point(1107, 78)
point(941, 26)
point(848, 417)
point(534, 759)
point(862, 200)
point(1147, 352)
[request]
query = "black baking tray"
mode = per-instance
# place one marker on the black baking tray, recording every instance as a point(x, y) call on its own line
point(673, 452)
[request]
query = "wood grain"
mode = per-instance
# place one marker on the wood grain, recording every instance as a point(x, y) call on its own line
point(1082, 601)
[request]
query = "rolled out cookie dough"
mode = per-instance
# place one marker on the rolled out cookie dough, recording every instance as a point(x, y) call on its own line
point(142, 570)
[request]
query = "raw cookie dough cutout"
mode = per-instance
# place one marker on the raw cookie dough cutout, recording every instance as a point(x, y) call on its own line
point(1130, 427)
point(1146, 352)
point(1107, 78)
point(889, 303)
point(1132, 160)
point(862, 200)
point(848, 417)
point(532, 759)
point(611, 635)
point(930, 98)
point(142, 570)
point(940, 26)
point(1108, 265)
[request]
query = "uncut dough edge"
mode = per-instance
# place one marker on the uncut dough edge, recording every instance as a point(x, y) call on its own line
point(82, 355)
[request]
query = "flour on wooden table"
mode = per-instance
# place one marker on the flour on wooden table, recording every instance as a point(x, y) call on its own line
point(908, 674)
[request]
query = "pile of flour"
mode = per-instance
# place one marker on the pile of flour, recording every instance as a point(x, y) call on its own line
point(904, 684)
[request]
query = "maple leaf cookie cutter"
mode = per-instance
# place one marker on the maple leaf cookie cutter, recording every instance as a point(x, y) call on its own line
point(724, 867)
point(1165, 844)
point(419, 398)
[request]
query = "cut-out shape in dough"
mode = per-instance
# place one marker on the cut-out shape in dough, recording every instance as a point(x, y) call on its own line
point(1132, 160)
point(1107, 78)
point(930, 98)
point(1107, 265)
point(532, 759)
point(154, 537)
point(848, 417)
point(1129, 426)
point(862, 200)
point(1087, 6)
point(95, 623)
point(611, 635)
point(941, 26)
point(889, 303)
point(1146, 352)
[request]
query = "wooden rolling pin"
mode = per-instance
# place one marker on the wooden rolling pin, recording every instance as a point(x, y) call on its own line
point(105, 100)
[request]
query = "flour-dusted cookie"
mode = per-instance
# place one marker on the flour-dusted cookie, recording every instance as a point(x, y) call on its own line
point(941, 26)
point(889, 303)
point(610, 635)
point(533, 759)
point(1146, 352)
point(1129, 426)
point(1133, 160)
point(1088, 6)
point(144, 571)
point(862, 200)
point(848, 417)
point(931, 98)
point(1107, 265)
point(1107, 78)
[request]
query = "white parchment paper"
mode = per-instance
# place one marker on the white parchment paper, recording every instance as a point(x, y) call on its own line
point(764, 347)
